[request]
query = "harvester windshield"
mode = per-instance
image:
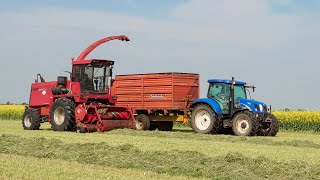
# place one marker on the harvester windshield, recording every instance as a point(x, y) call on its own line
point(93, 78)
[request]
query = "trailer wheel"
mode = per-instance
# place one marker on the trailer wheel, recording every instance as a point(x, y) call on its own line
point(165, 126)
point(62, 115)
point(31, 119)
point(269, 128)
point(245, 124)
point(142, 122)
point(204, 120)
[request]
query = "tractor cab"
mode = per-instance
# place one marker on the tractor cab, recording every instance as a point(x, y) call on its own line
point(93, 75)
point(221, 90)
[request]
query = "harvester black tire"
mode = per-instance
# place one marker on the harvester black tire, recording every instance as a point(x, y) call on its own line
point(31, 119)
point(269, 128)
point(204, 120)
point(245, 124)
point(142, 122)
point(165, 126)
point(62, 115)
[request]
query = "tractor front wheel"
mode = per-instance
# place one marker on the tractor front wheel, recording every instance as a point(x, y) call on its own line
point(245, 124)
point(142, 122)
point(62, 115)
point(31, 119)
point(204, 120)
point(269, 127)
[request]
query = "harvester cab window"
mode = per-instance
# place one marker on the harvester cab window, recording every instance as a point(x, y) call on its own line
point(220, 92)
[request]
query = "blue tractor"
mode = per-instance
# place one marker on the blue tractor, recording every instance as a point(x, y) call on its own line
point(228, 107)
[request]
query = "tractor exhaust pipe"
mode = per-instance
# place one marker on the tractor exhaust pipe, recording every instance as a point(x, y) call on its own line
point(231, 101)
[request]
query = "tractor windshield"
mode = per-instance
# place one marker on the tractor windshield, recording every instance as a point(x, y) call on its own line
point(220, 92)
point(93, 78)
point(239, 92)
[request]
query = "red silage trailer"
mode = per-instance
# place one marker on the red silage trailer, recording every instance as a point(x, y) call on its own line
point(157, 99)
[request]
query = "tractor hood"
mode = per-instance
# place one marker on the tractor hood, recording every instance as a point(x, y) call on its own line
point(253, 105)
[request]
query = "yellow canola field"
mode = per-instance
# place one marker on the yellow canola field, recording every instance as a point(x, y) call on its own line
point(299, 120)
point(11, 111)
point(290, 120)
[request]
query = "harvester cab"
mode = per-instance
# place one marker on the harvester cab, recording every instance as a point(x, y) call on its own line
point(227, 106)
point(83, 102)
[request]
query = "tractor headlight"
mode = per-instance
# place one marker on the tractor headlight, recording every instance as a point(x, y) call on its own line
point(256, 106)
point(114, 97)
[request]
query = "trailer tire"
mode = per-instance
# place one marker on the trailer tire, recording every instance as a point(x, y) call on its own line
point(165, 126)
point(62, 115)
point(142, 122)
point(204, 120)
point(31, 119)
point(245, 124)
point(269, 128)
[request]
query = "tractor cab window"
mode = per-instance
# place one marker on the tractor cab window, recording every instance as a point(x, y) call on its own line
point(220, 92)
point(239, 92)
point(93, 78)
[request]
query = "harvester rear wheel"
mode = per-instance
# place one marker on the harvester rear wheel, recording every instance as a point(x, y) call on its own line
point(142, 122)
point(62, 115)
point(165, 126)
point(269, 128)
point(31, 119)
point(204, 120)
point(245, 124)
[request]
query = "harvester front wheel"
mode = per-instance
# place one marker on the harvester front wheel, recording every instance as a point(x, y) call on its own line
point(165, 126)
point(269, 127)
point(245, 124)
point(62, 115)
point(142, 122)
point(204, 120)
point(31, 119)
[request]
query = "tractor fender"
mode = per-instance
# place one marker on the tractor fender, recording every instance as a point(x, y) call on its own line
point(210, 102)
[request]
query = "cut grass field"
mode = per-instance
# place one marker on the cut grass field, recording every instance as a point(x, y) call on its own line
point(130, 154)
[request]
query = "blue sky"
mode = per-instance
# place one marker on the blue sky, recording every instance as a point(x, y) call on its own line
point(269, 43)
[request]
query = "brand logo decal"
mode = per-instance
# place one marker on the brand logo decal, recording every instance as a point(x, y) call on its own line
point(157, 96)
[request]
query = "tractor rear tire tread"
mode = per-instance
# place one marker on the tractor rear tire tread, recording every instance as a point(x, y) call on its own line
point(69, 123)
point(35, 119)
point(214, 126)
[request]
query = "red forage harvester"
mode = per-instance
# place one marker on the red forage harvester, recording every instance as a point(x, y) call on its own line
point(82, 103)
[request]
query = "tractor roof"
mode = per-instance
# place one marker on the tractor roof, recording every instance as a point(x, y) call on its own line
point(225, 81)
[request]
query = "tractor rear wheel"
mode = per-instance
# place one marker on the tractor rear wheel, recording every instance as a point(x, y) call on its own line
point(245, 124)
point(31, 119)
point(142, 122)
point(165, 126)
point(270, 127)
point(62, 115)
point(204, 120)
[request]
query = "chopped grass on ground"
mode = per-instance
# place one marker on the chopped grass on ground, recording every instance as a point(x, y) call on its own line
point(181, 153)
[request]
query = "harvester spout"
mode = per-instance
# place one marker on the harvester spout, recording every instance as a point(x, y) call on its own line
point(85, 53)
